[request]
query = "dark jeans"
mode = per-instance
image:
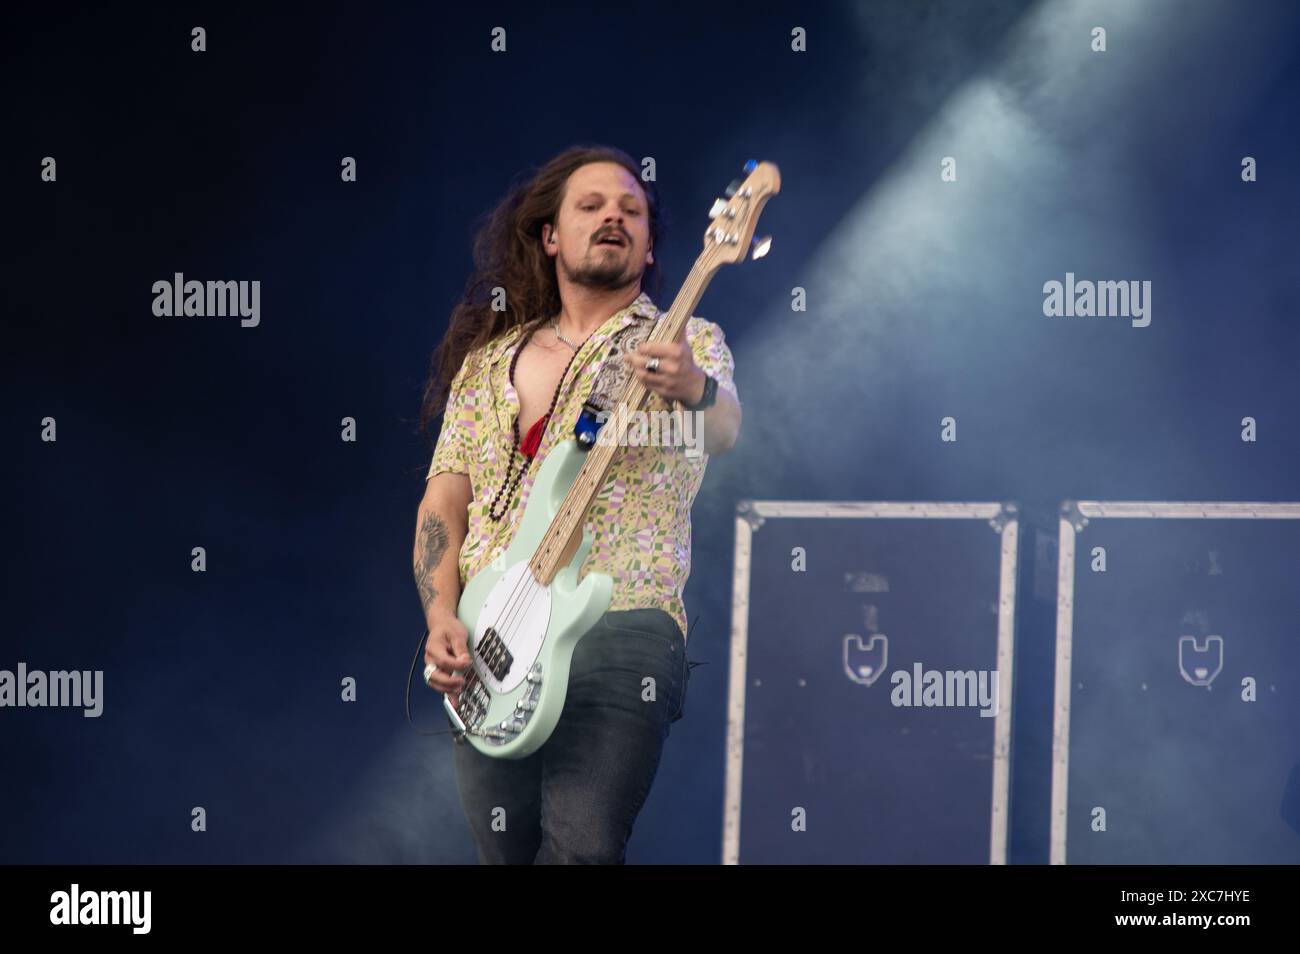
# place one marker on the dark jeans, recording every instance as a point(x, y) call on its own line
point(574, 800)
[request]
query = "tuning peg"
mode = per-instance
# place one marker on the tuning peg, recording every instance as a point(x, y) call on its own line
point(718, 206)
point(732, 188)
point(760, 246)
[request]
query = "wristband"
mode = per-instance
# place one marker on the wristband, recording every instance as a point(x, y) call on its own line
point(709, 398)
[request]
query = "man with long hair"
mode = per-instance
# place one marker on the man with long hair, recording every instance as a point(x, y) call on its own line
point(554, 319)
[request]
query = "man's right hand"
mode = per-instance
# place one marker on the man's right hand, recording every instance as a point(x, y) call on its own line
point(447, 648)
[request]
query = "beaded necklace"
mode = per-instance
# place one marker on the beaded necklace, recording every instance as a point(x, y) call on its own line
point(528, 449)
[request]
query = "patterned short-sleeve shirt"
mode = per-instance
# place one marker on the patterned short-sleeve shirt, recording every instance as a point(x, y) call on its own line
point(641, 519)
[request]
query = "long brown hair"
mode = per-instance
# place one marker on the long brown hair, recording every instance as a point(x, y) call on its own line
point(508, 254)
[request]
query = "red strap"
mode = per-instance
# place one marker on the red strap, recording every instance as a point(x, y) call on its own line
point(533, 439)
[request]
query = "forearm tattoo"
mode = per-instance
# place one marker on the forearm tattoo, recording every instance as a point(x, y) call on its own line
point(430, 548)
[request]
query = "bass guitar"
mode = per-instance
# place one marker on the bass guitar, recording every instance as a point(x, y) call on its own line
point(525, 615)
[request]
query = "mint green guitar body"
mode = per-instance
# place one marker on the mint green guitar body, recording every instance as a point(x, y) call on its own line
point(522, 634)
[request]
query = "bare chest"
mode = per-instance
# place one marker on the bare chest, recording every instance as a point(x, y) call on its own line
point(537, 374)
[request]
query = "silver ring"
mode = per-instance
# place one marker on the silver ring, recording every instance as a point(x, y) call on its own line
point(652, 365)
point(429, 670)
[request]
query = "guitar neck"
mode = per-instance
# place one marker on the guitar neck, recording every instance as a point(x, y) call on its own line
point(566, 527)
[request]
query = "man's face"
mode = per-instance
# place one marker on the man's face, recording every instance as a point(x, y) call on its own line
point(602, 200)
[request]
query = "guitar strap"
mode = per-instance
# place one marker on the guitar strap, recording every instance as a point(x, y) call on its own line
point(612, 377)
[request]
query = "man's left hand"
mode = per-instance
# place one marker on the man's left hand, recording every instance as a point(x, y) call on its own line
point(677, 378)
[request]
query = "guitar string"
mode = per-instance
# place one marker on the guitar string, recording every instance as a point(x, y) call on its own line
point(511, 612)
point(517, 604)
point(472, 678)
point(520, 604)
point(512, 606)
point(528, 589)
point(630, 398)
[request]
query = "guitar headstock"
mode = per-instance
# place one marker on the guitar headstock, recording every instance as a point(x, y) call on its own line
point(730, 236)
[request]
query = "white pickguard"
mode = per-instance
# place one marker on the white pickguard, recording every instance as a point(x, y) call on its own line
point(519, 609)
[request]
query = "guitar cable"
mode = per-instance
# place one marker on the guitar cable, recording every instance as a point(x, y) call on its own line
point(410, 676)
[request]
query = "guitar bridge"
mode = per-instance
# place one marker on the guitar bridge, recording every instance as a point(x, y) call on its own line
point(511, 726)
point(470, 714)
point(494, 654)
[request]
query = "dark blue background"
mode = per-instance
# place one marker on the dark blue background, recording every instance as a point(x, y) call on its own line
point(222, 689)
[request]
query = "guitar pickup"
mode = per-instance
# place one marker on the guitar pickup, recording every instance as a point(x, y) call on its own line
point(494, 654)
